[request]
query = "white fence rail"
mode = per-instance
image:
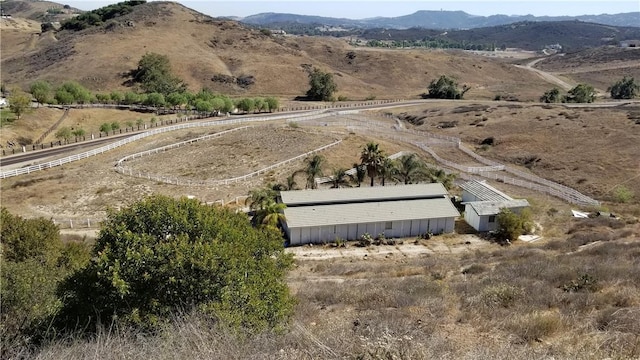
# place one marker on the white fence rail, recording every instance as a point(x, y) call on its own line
point(491, 171)
point(188, 182)
point(103, 149)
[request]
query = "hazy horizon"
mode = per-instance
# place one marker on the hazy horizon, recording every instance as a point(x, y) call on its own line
point(358, 9)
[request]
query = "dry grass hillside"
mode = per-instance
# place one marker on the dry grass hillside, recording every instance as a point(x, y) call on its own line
point(200, 47)
point(600, 67)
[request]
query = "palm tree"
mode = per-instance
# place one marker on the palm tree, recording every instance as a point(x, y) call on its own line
point(339, 178)
point(371, 157)
point(313, 169)
point(410, 169)
point(387, 170)
point(259, 197)
point(291, 182)
point(438, 175)
point(271, 214)
point(361, 172)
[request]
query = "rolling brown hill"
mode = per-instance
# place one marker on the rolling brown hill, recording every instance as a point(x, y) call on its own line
point(200, 47)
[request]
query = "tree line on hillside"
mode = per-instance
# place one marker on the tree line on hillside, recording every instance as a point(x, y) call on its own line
point(626, 88)
point(153, 261)
point(100, 16)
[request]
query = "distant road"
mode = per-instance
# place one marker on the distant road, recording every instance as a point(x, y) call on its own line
point(38, 154)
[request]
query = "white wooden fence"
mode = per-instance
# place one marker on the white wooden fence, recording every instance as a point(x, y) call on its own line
point(103, 149)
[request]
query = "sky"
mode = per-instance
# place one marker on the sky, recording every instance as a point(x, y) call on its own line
point(360, 9)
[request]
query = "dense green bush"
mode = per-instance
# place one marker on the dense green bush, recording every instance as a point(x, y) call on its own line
point(161, 256)
point(321, 85)
point(511, 225)
point(154, 75)
point(34, 261)
point(626, 88)
point(445, 88)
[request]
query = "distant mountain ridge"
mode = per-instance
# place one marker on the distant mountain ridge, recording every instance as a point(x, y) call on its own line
point(431, 19)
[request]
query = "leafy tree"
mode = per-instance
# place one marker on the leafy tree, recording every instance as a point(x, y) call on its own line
point(217, 103)
point(176, 99)
point(229, 106)
point(103, 98)
point(64, 97)
point(339, 178)
point(259, 104)
point(204, 106)
point(41, 90)
point(78, 133)
point(34, 260)
point(582, 93)
point(115, 126)
point(64, 133)
point(80, 94)
point(139, 122)
point(371, 158)
point(625, 89)
point(246, 105)
point(512, 225)
point(321, 85)
point(272, 103)
point(19, 102)
point(410, 169)
point(131, 98)
point(116, 96)
point(551, 96)
point(313, 169)
point(446, 88)
point(155, 76)
point(105, 128)
point(161, 256)
point(155, 99)
point(129, 124)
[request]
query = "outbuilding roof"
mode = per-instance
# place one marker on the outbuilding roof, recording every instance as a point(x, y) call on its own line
point(363, 194)
point(483, 208)
point(369, 212)
point(484, 191)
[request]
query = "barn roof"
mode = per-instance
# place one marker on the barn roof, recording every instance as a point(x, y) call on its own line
point(369, 212)
point(483, 208)
point(363, 194)
point(484, 191)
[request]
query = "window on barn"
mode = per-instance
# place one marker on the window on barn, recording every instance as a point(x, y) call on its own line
point(388, 225)
point(492, 218)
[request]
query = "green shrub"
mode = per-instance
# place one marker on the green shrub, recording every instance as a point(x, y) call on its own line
point(161, 256)
point(622, 194)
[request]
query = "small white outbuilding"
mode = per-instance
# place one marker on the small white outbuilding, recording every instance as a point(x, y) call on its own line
point(318, 216)
point(483, 202)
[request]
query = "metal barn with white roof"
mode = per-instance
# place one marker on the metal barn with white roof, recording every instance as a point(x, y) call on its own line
point(317, 216)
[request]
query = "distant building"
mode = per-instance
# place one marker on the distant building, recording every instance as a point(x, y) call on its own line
point(318, 216)
point(483, 203)
point(278, 32)
point(630, 44)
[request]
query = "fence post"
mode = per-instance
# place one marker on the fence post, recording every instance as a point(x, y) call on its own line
point(71, 223)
